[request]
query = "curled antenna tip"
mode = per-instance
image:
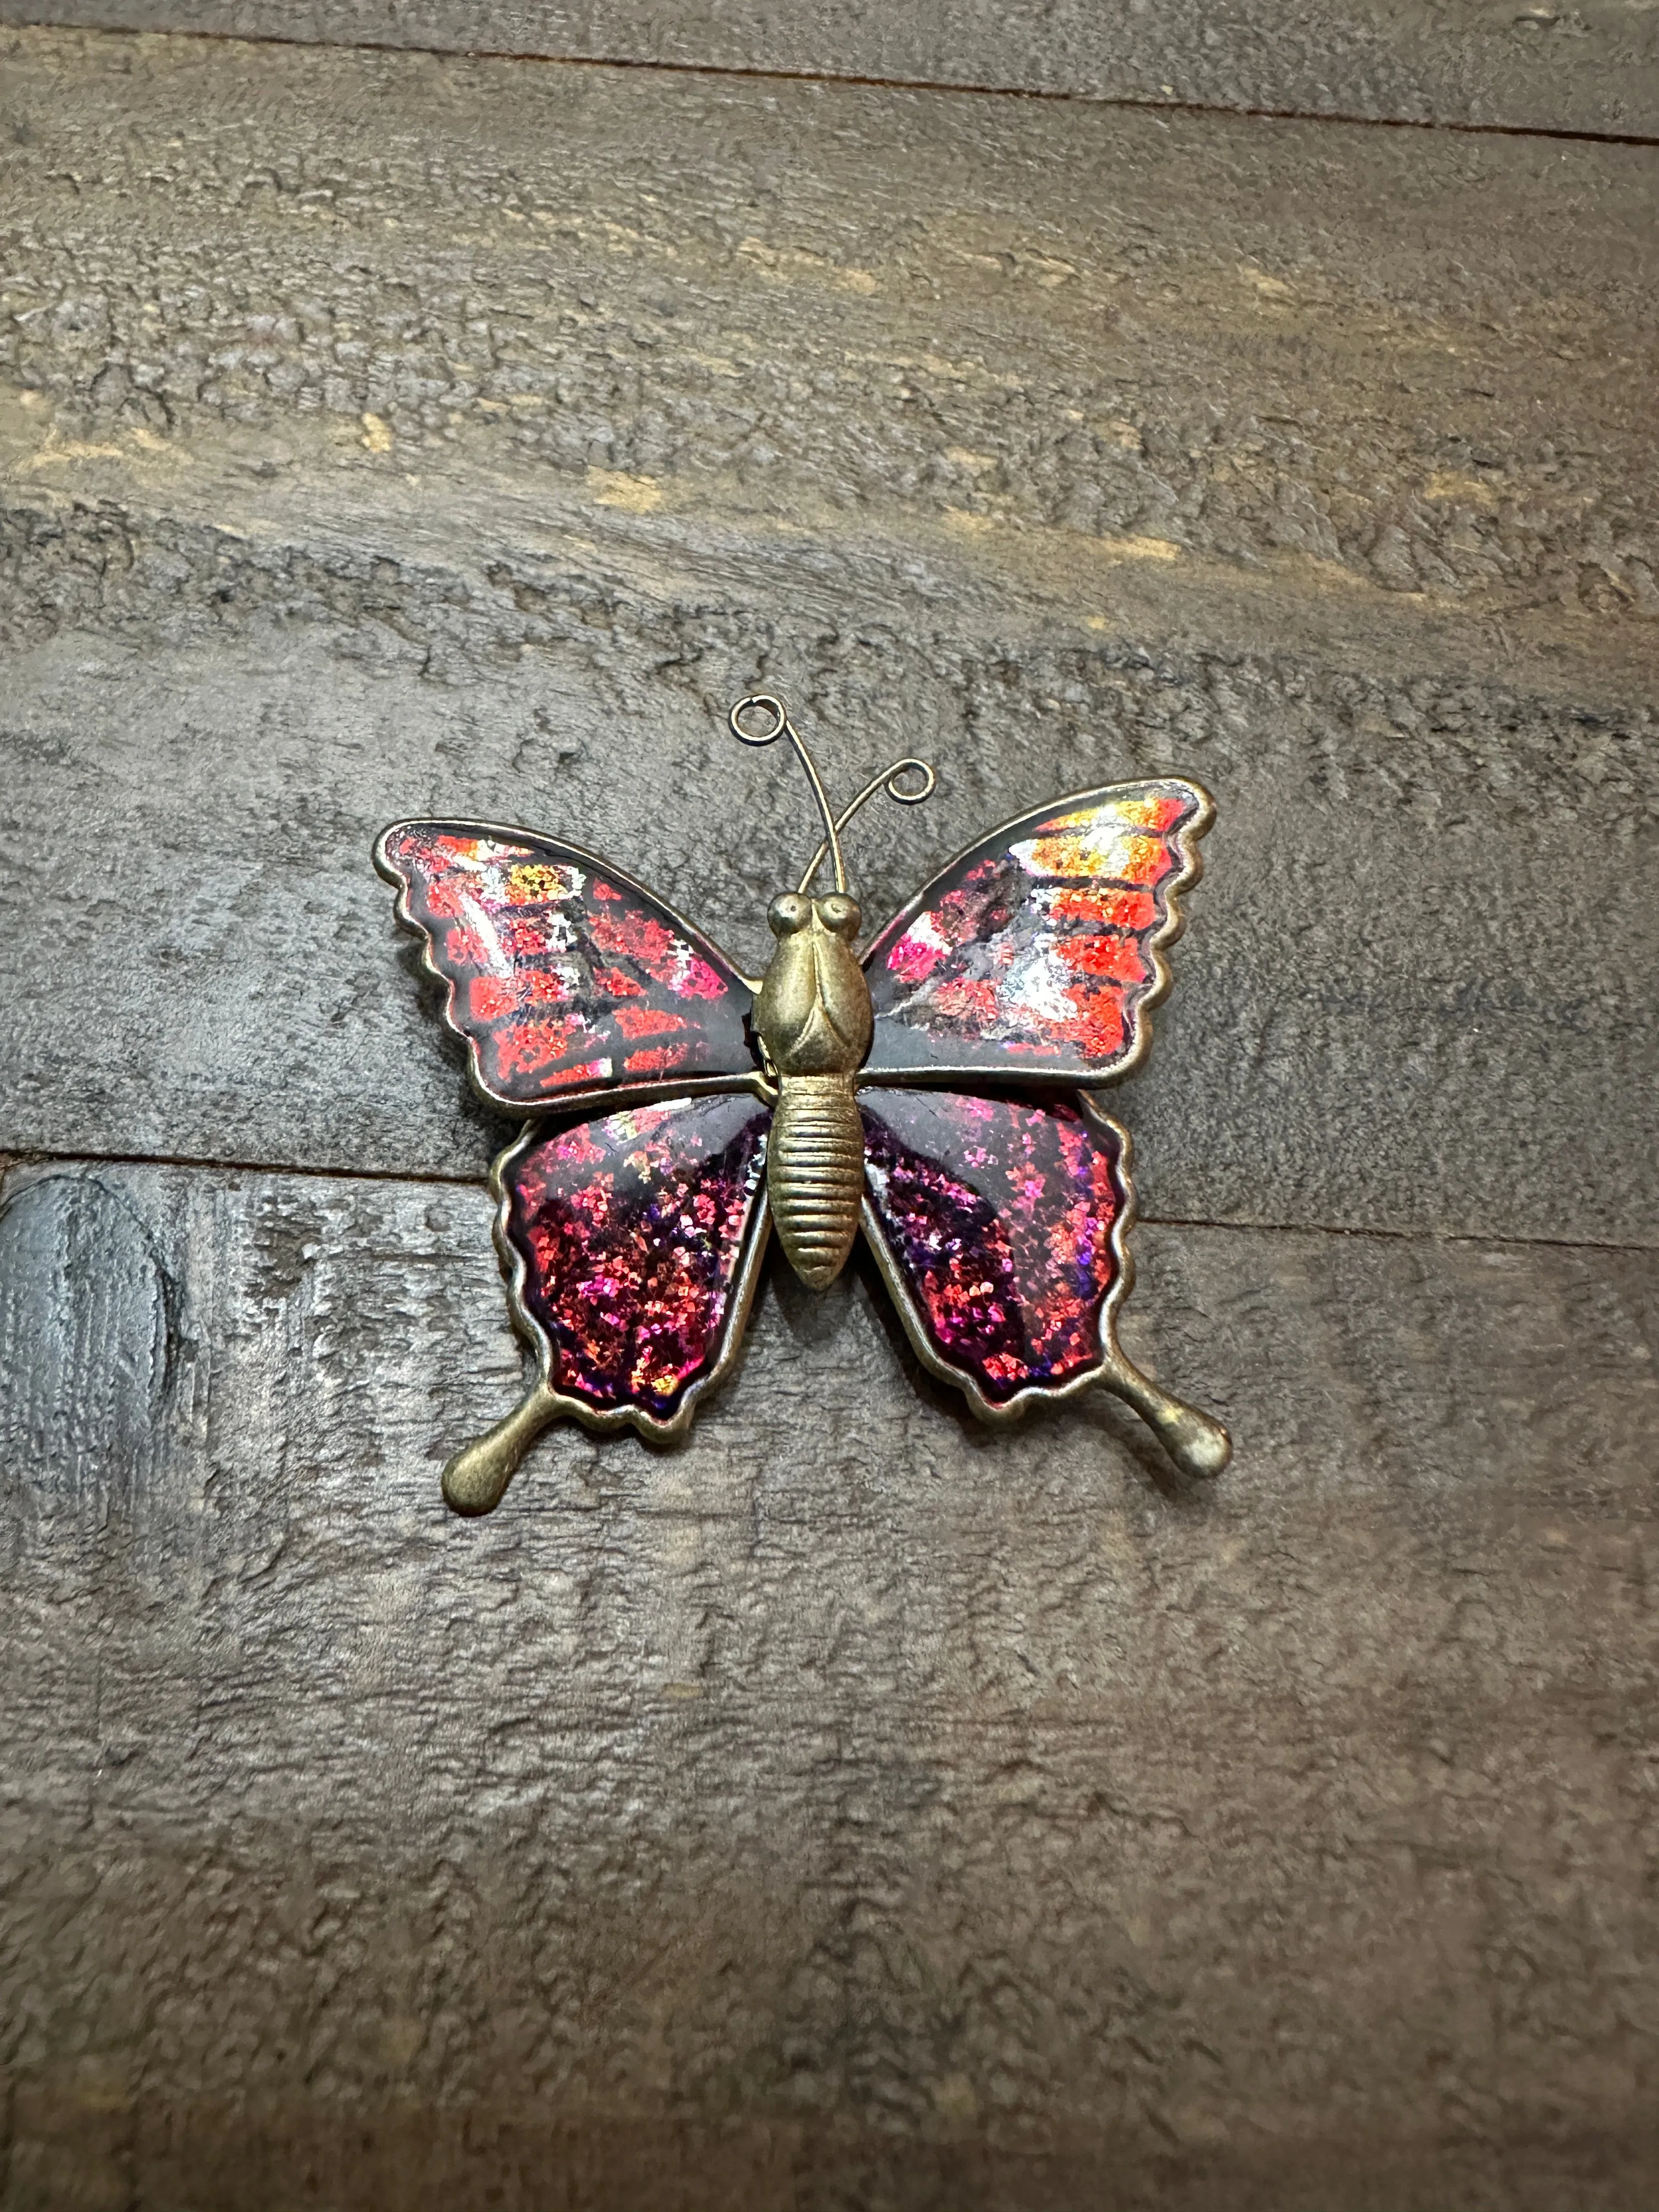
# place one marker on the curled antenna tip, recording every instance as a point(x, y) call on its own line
point(758, 702)
point(768, 704)
point(890, 785)
point(891, 780)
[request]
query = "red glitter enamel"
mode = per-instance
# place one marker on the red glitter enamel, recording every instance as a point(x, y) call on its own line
point(632, 1231)
point(1034, 953)
point(998, 1219)
point(557, 966)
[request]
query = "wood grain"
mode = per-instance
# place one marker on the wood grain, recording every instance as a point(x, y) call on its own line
point(1591, 67)
point(855, 1807)
point(850, 1807)
point(475, 465)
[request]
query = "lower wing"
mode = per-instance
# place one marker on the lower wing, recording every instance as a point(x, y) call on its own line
point(999, 1226)
point(632, 1245)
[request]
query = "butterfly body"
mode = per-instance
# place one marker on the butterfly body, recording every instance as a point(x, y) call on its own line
point(937, 1091)
point(815, 1022)
point(815, 1174)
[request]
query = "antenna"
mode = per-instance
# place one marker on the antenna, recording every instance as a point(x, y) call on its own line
point(765, 702)
point(888, 780)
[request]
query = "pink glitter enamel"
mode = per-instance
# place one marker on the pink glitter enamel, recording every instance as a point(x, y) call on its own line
point(1000, 1218)
point(632, 1228)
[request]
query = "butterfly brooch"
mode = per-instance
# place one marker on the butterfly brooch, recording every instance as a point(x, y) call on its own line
point(937, 1091)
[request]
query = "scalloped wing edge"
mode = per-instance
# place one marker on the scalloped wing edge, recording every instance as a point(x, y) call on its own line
point(612, 1093)
point(1191, 869)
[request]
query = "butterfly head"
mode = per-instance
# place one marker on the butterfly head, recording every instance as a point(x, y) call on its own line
point(813, 1013)
point(791, 912)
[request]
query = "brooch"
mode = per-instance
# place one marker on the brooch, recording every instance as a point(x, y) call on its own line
point(937, 1091)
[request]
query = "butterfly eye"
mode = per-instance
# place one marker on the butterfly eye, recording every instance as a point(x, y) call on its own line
point(841, 914)
point(787, 913)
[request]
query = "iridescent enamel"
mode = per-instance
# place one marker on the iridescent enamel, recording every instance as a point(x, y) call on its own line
point(999, 1217)
point(630, 1234)
point(1040, 949)
point(564, 978)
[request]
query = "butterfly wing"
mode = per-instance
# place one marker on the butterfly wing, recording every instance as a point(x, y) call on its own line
point(1037, 954)
point(566, 979)
point(999, 1224)
point(632, 1245)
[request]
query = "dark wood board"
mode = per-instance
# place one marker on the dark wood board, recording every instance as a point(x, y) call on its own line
point(851, 1806)
point(1012, 441)
point(1488, 63)
point(855, 1808)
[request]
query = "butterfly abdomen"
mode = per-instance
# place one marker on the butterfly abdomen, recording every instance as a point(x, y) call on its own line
point(814, 1173)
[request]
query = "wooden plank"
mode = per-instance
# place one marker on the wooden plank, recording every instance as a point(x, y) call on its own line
point(1061, 443)
point(851, 1806)
point(1591, 67)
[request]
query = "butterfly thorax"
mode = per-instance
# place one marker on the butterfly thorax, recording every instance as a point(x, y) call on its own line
point(815, 1022)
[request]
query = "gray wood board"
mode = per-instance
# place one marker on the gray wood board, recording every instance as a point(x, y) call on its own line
point(1590, 68)
point(1250, 354)
point(442, 466)
point(850, 1807)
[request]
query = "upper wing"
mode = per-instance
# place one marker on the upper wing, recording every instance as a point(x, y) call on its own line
point(1038, 953)
point(565, 977)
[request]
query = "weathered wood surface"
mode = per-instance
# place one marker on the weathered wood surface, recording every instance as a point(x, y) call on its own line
point(850, 1807)
point(855, 1808)
point(1495, 62)
point(475, 463)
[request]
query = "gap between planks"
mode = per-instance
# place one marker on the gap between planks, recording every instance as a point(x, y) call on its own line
point(205, 1164)
point(891, 84)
